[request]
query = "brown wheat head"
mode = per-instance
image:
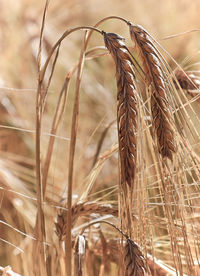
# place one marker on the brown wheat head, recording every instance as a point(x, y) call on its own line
point(127, 105)
point(82, 209)
point(152, 68)
point(135, 264)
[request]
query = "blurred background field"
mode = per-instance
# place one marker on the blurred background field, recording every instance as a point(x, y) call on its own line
point(20, 23)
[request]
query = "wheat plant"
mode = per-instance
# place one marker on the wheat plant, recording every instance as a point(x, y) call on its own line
point(123, 199)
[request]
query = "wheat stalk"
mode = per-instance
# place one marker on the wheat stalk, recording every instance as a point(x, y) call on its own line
point(159, 103)
point(127, 109)
point(79, 247)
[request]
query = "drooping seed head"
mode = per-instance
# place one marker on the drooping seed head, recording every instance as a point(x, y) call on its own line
point(127, 105)
point(134, 260)
point(82, 209)
point(155, 79)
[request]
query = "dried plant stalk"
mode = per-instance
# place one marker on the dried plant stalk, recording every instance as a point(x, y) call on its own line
point(159, 103)
point(82, 209)
point(127, 109)
point(158, 270)
point(79, 255)
point(134, 260)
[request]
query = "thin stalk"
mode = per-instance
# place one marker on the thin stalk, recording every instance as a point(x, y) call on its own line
point(65, 34)
point(74, 128)
point(106, 222)
point(40, 223)
point(57, 117)
point(39, 255)
point(103, 20)
point(100, 143)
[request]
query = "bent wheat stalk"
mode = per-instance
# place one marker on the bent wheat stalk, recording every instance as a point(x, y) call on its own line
point(154, 78)
point(127, 109)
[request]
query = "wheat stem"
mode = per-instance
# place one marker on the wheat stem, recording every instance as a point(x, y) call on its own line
point(38, 248)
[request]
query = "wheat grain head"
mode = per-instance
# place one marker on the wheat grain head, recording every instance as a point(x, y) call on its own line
point(134, 260)
point(82, 209)
point(162, 120)
point(127, 105)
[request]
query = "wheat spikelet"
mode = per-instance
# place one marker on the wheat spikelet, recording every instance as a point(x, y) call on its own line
point(82, 209)
point(159, 103)
point(134, 260)
point(127, 109)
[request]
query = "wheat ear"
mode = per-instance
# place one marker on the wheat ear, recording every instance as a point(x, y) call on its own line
point(127, 105)
point(135, 264)
point(82, 209)
point(159, 103)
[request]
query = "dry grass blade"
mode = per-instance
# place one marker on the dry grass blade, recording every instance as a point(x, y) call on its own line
point(154, 78)
point(134, 260)
point(127, 109)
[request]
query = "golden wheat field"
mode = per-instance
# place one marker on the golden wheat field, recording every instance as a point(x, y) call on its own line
point(99, 138)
